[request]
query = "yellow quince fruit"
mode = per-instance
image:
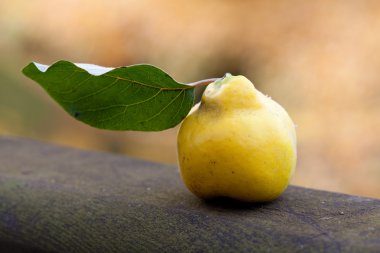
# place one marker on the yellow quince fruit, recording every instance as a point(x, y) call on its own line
point(237, 143)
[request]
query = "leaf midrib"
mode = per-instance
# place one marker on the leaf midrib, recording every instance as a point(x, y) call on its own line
point(187, 87)
point(147, 85)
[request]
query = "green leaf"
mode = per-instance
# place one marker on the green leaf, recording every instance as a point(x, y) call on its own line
point(138, 97)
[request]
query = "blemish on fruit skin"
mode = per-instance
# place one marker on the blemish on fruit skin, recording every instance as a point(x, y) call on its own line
point(232, 172)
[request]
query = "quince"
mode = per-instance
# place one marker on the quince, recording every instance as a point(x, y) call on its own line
point(237, 143)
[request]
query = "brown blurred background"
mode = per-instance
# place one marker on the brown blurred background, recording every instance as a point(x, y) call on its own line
point(319, 59)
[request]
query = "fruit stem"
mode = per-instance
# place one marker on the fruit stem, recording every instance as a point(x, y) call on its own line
point(203, 82)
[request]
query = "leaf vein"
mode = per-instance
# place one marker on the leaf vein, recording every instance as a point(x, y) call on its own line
point(75, 87)
point(110, 118)
point(164, 108)
point(92, 94)
point(125, 109)
point(180, 107)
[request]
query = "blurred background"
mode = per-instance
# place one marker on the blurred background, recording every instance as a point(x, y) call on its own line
point(319, 59)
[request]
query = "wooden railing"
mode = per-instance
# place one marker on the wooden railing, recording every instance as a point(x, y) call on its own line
point(56, 199)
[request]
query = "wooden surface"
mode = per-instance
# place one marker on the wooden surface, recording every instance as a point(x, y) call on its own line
point(55, 199)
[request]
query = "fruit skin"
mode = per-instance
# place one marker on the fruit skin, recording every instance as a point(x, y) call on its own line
point(237, 143)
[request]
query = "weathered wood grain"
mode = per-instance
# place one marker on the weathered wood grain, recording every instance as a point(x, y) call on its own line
point(55, 199)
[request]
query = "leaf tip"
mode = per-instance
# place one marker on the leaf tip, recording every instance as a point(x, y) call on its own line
point(27, 69)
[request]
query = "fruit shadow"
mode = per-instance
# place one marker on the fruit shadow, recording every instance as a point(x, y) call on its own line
point(228, 204)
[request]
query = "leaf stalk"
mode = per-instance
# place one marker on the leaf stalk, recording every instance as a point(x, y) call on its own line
point(203, 82)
